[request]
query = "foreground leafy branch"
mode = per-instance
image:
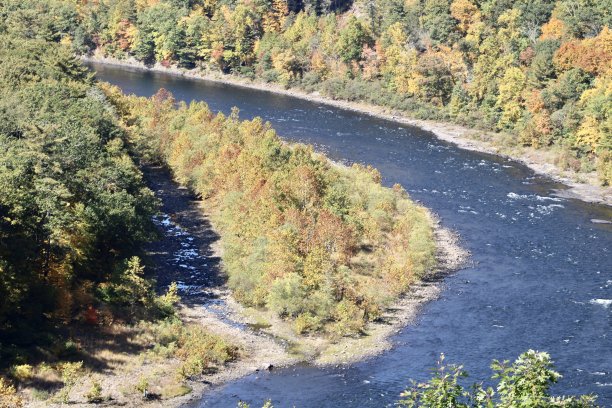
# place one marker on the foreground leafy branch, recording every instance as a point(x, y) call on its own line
point(525, 383)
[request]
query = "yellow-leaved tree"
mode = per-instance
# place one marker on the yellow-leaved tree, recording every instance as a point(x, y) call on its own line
point(399, 60)
point(510, 98)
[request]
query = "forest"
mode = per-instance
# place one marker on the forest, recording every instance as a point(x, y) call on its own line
point(324, 246)
point(74, 207)
point(538, 70)
point(75, 215)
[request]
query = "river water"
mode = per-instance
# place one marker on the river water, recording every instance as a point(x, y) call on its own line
point(541, 276)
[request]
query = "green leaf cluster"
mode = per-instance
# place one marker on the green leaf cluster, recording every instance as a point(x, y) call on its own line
point(524, 383)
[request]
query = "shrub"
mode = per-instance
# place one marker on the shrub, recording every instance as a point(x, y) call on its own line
point(524, 383)
point(306, 322)
point(349, 319)
point(604, 168)
point(310, 81)
point(70, 373)
point(68, 350)
point(286, 294)
point(201, 351)
point(167, 302)
point(142, 386)
point(40, 394)
point(270, 75)
point(21, 372)
point(94, 395)
point(198, 349)
point(245, 71)
point(8, 395)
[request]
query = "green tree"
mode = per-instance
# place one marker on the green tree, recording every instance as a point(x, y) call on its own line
point(439, 22)
point(510, 99)
point(352, 37)
point(73, 203)
point(585, 18)
point(542, 68)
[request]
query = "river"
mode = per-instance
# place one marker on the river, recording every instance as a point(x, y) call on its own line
point(541, 275)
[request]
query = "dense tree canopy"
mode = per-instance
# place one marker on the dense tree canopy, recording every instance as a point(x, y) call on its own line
point(73, 206)
point(324, 246)
point(481, 63)
point(317, 243)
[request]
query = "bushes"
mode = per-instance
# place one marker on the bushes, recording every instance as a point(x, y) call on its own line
point(202, 351)
point(94, 395)
point(70, 373)
point(301, 236)
point(349, 319)
point(22, 372)
point(604, 167)
point(286, 295)
point(8, 395)
point(306, 323)
point(524, 383)
point(270, 75)
point(198, 350)
point(132, 296)
point(167, 302)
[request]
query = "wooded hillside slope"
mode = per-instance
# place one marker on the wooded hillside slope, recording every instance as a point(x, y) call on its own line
point(537, 69)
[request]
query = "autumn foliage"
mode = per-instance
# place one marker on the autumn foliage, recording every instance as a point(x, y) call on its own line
point(472, 62)
point(312, 240)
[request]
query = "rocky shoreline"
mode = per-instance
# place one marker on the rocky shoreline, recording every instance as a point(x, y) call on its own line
point(580, 186)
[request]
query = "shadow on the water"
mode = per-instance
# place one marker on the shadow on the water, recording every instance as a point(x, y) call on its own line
point(191, 232)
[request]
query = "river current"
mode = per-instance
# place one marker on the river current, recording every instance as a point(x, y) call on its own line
point(541, 270)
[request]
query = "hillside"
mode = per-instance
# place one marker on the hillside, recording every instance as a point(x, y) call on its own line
point(537, 70)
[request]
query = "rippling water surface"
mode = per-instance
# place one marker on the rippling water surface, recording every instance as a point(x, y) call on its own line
point(542, 272)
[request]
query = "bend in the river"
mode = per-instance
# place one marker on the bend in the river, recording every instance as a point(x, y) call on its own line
point(542, 272)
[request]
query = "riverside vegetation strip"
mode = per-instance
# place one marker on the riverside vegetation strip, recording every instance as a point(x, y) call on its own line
point(323, 245)
point(582, 185)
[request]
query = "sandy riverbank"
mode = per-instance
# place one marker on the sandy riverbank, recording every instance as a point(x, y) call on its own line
point(583, 186)
point(125, 354)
